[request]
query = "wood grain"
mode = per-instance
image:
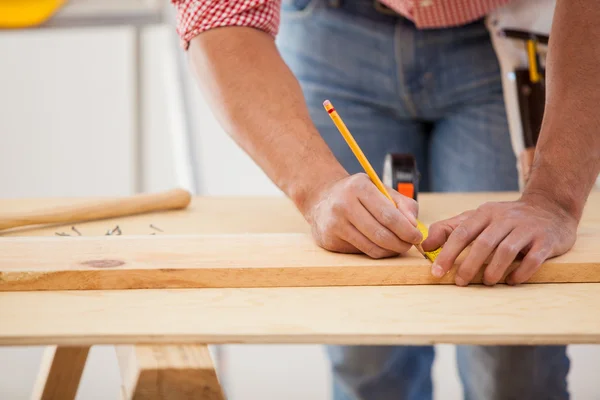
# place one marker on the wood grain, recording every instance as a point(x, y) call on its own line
point(60, 372)
point(222, 261)
point(528, 314)
point(168, 372)
point(97, 209)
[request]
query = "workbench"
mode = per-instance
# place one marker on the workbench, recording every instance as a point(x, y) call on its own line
point(161, 334)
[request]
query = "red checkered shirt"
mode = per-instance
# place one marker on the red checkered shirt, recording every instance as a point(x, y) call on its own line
point(196, 16)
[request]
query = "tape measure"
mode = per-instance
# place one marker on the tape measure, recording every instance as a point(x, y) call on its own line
point(430, 255)
point(400, 172)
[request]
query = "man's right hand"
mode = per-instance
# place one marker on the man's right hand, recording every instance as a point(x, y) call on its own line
point(352, 216)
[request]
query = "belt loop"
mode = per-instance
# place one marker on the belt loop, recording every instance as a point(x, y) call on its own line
point(383, 9)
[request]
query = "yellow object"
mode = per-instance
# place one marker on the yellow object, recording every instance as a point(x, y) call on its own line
point(534, 73)
point(27, 13)
point(337, 120)
point(430, 255)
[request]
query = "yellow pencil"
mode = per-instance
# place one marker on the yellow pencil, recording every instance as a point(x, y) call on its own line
point(337, 120)
point(534, 74)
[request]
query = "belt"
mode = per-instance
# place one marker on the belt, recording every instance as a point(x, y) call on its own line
point(382, 8)
point(376, 7)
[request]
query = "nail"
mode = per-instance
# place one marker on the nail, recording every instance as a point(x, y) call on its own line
point(413, 218)
point(460, 281)
point(417, 240)
point(437, 271)
point(156, 228)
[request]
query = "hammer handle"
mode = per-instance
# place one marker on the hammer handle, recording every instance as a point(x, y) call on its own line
point(100, 209)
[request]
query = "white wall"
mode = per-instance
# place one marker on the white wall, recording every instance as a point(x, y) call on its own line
point(66, 104)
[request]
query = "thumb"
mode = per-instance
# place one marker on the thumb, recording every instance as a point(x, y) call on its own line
point(441, 230)
point(407, 206)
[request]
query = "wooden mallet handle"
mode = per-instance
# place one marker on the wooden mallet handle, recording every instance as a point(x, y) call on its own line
point(100, 209)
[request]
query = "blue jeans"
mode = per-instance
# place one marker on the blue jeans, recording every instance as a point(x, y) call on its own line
point(436, 94)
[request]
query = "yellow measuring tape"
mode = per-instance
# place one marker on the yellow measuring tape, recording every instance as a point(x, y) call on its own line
point(430, 255)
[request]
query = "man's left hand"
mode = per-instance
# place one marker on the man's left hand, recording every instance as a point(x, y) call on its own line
point(532, 226)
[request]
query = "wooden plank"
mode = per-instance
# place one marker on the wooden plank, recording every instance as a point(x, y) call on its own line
point(203, 215)
point(250, 214)
point(60, 372)
point(99, 209)
point(340, 315)
point(169, 372)
point(214, 261)
point(527, 314)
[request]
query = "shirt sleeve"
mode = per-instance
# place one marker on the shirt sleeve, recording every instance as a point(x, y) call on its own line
point(197, 16)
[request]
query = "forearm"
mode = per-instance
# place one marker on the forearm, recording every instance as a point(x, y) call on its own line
point(260, 104)
point(567, 160)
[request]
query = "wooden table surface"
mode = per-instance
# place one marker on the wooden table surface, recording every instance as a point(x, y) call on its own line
point(528, 314)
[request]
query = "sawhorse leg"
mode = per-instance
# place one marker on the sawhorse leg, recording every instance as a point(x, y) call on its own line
point(148, 372)
point(168, 372)
point(60, 372)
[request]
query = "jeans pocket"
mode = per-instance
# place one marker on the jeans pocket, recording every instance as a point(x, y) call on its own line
point(298, 8)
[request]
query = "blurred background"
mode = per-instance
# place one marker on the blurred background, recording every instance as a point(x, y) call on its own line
point(99, 101)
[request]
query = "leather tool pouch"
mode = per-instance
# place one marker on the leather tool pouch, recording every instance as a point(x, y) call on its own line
point(532, 97)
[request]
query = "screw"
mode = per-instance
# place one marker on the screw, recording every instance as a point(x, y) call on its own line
point(154, 227)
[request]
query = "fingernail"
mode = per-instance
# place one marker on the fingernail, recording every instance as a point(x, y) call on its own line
point(418, 238)
point(460, 281)
point(437, 271)
point(413, 218)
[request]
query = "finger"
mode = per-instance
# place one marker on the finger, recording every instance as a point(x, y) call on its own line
point(352, 235)
point(337, 245)
point(458, 240)
point(505, 254)
point(482, 248)
point(530, 264)
point(377, 233)
point(440, 231)
point(390, 217)
point(407, 206)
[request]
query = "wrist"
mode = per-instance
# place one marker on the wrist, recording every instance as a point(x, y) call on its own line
point(547, 187)
point(305, 192)
point(548, 201)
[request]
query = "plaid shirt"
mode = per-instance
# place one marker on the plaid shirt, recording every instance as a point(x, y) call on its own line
point(196, 16)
